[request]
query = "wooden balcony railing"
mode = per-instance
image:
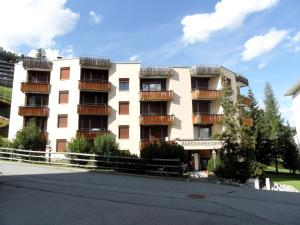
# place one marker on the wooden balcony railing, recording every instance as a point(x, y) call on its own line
point(245, 101)
point(207, 118)
point(246, 122)
point(145, 142)
point(27, 87)
point(156, 95)
point(156, 119)
point(100, 86)
point(93, 110)
point(33, 111)
point(206, 94)
point(91, 134)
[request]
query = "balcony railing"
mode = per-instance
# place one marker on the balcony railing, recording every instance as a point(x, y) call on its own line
point(92, 133)
point(89, 62)
point(36, 64)
point(156, 119)
point(33, 111)
point(155, 72)
point(206, 94)
point(246, 122)
point(245, 101)
point(100, 86)
point(206, 71)
point(93, 109)
point(147, 141)
point(28, 87)
point(207, 118)
point(156, 95)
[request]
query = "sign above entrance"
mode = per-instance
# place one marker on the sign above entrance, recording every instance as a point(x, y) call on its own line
point(200, 144)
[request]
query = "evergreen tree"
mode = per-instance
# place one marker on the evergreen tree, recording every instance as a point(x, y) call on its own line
point(236, 155)
point(290, 152)
point(41, 54)
point(272, 124)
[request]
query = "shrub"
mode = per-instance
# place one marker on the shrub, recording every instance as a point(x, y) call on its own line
point(210, 165)
point(30, 138)
point(79, 145)
point(5, 143)
point(163, 150)
point(106, 145)
point(257, 169)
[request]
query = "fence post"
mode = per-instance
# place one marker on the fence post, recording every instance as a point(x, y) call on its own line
point(29, 156)
point(10, 155)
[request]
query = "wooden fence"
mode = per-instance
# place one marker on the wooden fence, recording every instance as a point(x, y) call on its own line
point(165, 167)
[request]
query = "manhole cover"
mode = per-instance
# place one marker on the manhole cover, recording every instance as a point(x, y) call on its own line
point(196, 196)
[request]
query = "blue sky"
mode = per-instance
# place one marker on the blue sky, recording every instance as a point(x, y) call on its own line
point(257, 38)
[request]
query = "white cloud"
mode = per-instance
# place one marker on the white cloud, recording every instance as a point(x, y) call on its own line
point(262, 65)
point(94, 18)
point(34, 23)
point(262, 44)
point(296, 38)
point(134, 58)
point(228, 14)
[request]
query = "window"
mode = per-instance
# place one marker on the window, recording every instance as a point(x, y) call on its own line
point(124, 84)
point(151, 87)
point(65, 73)
point(61, 145)
point(204, 132)
point(63, 97)
point(200, 83)
point(124, 108)
point(62, 121)
point(123, 132)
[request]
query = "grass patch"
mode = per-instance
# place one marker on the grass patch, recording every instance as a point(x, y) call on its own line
point(284, 177)
point(5, 93)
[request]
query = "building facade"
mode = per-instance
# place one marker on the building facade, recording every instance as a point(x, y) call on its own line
point(138, 105)
point(6, 73)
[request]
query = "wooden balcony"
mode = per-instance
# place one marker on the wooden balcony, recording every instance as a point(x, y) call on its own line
point(156, 119)
point(91, 134)
point(33, 111)
point(42, 88)
point(246, 122)
point(206, 94)
point(245, 101)
point(99, 86)
point(93, 110)
point(156, 95)
point(207, 118)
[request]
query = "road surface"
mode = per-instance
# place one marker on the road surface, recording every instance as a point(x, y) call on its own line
point(37, 195)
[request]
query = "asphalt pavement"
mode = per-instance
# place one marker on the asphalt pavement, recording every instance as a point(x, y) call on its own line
point(41, 195)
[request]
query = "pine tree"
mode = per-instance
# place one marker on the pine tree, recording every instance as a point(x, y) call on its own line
point(272, 124)
point(237, 151)
point(41, 54)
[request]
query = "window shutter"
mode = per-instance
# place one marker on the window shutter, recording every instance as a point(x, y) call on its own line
point(65, 73)
point(63, 97)
point(62, 121)
point(124, 108)
point(123, 132)
point(61, 145)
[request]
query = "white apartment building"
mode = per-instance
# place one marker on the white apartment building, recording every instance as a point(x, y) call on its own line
point(136, 104)
point(294, 91)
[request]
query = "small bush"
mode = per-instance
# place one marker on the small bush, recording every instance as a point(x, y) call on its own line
point(106, 145)
point(210, 165)
point(163, 150)
point(79, 145)
point(30, 138)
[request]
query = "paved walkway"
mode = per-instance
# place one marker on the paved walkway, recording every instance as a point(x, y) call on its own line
point(36, 195)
